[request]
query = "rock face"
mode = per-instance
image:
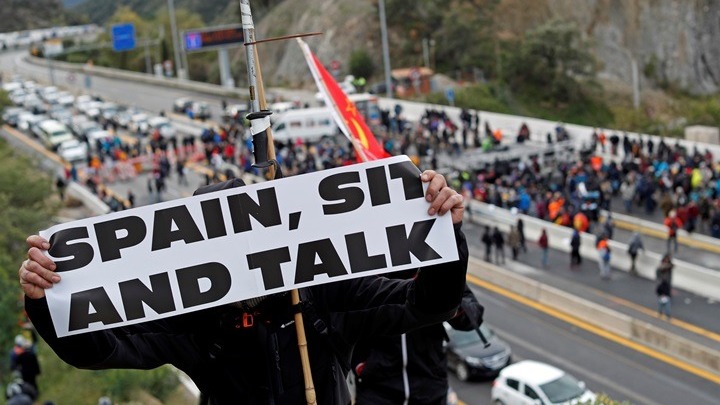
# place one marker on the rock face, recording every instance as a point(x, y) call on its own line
point(674, 41)
point(17, 15)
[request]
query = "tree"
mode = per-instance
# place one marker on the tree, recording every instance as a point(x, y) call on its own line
point(361, 65)
point(26, 208)
point(552, 60)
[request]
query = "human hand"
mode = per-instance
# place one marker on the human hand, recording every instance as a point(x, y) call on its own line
point(442, 198)
point(37, 272)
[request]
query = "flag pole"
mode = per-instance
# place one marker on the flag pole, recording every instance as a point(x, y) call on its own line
point(262, 133)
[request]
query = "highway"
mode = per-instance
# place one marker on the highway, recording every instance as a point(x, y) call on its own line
point(621, 372)
point(606, 366)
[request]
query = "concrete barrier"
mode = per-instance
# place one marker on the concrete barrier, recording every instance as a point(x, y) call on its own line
point(687, 276)
point(659, 230)
point(660, 339)
point(612, 321)
point(91, 201)
point(100, 71)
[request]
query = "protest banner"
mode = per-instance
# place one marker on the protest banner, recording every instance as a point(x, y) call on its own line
point(213, 249)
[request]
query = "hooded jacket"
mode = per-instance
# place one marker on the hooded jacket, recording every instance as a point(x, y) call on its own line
point(250, 356)
point(410, 368)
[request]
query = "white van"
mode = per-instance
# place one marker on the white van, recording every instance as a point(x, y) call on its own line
point(308, 124)
point(53, 133)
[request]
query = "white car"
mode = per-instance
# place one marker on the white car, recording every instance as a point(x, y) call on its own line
point(531, 382)
point(138, 123)
point(73, 151)
point(94, 136)
point(163, 125)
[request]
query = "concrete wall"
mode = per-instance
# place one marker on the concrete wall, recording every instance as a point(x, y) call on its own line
point(607, 319)
point(686, 276)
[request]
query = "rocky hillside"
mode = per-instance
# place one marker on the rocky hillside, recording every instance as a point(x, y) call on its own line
point(673, 42)
point(16, 15)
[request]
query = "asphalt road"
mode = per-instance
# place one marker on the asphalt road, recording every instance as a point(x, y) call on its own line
point(622, 372)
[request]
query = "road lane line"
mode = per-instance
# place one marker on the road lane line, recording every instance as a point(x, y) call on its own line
point(674, 321)
point(683, 240)
point(597, 330)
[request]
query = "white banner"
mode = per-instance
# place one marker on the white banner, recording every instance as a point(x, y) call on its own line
point(212, 249)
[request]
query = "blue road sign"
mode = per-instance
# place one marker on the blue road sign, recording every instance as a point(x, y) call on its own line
point(193, 41)
point(123, 37)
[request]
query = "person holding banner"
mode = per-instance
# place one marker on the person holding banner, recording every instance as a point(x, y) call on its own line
point(247, 352)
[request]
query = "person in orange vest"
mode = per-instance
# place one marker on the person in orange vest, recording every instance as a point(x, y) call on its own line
point(673, 223)
point(604, 259)
point(602, 138)
point(497, 134)
point(581, 222)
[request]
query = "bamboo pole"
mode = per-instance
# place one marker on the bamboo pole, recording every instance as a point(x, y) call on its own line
point(257, 98)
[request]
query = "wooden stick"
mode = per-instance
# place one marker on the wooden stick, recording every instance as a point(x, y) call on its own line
point(284, 37)
point(257, 82)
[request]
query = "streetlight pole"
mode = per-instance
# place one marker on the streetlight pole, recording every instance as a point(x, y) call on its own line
point(386, 49)
point(176, 47)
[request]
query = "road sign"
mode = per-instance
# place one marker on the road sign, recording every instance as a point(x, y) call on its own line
point(215, 37)
point(123, 37)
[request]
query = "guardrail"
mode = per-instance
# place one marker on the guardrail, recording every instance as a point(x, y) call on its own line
point(687, 276)
point(608, 319)
point(100, 71)
point(658, 230)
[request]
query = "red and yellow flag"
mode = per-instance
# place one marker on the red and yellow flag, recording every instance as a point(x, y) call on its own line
point(346, 115)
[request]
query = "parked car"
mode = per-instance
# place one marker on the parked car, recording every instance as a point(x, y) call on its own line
point(531, 382)
point(198, 110)
point(10, 115)
point(468, 356)
point(97, 135)
point(82, 129)
point(138, 123)
point(65, 98)
point(26, 120)
point(235, 112)
point(73, 151)
point(181, 105)
point(163, 125)
point(53, 133)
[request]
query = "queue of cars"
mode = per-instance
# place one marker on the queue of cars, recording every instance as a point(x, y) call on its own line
point(69, 125)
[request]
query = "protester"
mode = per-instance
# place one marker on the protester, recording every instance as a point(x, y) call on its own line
point(575, 242)
point(514, 241)
point(410, 368)
point(634, 247)
point(487, 240)
point(24, 361)
point(604, 256)
point(665, 270)
point(260, 364)
point(499, 242)
point(544, 246)
point(672, 223)
point(664, 293)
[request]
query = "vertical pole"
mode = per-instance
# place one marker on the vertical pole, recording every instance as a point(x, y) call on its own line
point(385, 49)
point(174, 35)
point(148, 64)
point(426, 52)
point(258, 103)
point(636, 82)
point(224, 65)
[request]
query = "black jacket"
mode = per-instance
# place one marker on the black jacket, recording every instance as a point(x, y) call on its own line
point(418, 356)
point(232, 364)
